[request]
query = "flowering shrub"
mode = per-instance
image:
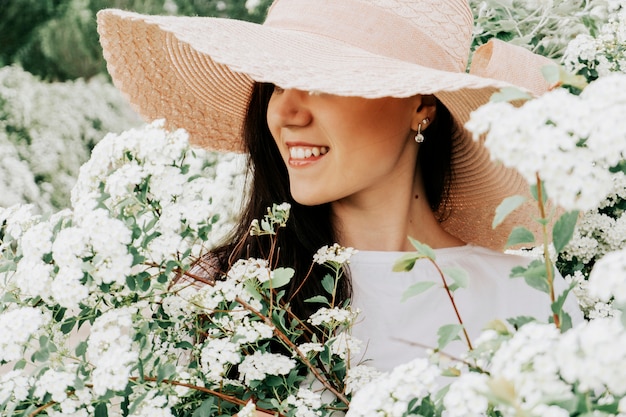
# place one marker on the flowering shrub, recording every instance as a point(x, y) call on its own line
point(594, 55)
point(47, 131)
point(545, 27)
point(99, 305)
point(106, 310)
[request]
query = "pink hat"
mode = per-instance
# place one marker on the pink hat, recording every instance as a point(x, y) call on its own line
point(197, 73)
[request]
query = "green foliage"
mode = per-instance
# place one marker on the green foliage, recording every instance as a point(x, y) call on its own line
point(544, 27)
point(57, 40)
point(235, 9)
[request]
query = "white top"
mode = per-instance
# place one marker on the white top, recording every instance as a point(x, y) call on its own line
point(388, 326)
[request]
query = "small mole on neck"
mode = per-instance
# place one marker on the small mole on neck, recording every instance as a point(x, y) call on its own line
point(417, 196)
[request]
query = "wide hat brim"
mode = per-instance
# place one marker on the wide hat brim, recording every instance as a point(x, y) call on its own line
point(197, 73)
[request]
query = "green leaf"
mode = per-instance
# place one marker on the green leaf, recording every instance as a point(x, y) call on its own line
point(574, 80)
point(518, 322)
point(165, 371)
point(328, 282)
point(42, 355)
point(131, 283)
point(205, 408)
point(509, 94)
point(564, 230)
point(458, 276)
point(505, 208)
point(535, 194)
point(551, 73)
point(498, 326)
point(101, 410)
point(416, 289)
point(137, 402)
point(520, 235)
point(535, 275)
point(447, 333)
point(252, 289)
point(406, 262)
point(423, 249)
point(281, 277)
point(68, 325)
point(317, 299)
point(81, 348)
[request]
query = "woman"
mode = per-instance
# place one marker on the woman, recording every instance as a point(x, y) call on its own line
point(352, 111)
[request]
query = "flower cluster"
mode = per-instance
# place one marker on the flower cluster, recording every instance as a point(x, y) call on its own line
point(335, 254)
point(47, 131)
point(539, 371)
point(600, 54)
point(405, 390)
point(110, 302)
point(553, 137)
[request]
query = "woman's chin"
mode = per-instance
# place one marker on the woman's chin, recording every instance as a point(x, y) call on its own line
point(309, 199)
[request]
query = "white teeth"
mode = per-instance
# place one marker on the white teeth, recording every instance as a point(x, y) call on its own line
point(301, 152)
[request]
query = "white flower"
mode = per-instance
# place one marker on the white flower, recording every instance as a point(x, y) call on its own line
point(607, 279)
point(306, 402)
point(154, 405)
point(261, 364)
point(66, 288)
point(528, 368)
point(216, 356)
point(466, 396)
point(305, 348)
point(251, 5)
point(249, 410)
point(245, 269)
point(592, 354)
point(335, 254)
point(33, 277)
point(391, 393)
point(110, 350)
point(253, 331)
point(551, 137)
point(17, 326)
point(345, 346)
point(55, 383)
point(333, 317)
point(18, 219)
point(14, 385)
point(359, 376)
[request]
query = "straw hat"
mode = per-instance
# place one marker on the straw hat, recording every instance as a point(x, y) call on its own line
point(197, 73)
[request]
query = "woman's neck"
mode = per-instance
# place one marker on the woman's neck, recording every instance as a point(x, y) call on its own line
point(384, 220)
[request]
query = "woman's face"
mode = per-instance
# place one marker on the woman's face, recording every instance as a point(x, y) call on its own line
point(338, 148)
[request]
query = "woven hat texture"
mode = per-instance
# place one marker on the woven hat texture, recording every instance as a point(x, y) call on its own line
point(197, 73)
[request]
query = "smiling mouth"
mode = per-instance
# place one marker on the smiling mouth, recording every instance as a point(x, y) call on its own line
point(303, 153)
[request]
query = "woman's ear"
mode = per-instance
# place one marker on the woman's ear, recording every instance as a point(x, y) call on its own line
point(426, 109)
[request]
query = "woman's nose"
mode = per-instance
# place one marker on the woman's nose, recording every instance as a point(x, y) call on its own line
point(289, 107)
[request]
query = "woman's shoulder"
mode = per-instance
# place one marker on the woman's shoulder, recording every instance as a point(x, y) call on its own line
point(466, 254)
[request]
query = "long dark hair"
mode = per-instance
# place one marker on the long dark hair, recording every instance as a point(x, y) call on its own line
point(310, 227)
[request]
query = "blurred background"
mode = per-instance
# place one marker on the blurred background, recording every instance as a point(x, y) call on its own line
point(56, 100)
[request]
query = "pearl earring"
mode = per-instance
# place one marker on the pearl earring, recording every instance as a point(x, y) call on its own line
point(419, 138)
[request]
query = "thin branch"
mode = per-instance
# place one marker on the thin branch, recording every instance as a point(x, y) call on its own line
point(291, 345)
point(546, 251)
point(456, 310)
